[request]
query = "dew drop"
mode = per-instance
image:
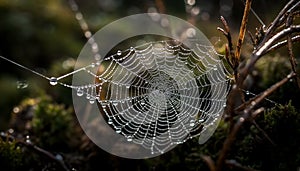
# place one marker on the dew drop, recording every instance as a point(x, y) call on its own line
point(79, 92)
point(53, 81)
point(88, 96)
point(92, 100)
point(115, 103)
point(119, 52)
point(22, 84)
point(118, 130)
point(59, 157)
point(132, 49)
point(201, 120)
point(192, 123)
point(247, 92)
point(129, 138)
point(109, 121)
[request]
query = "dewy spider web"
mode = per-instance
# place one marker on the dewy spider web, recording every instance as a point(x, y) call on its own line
point(160, 93)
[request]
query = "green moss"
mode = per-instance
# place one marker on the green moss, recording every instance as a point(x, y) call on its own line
point(282, 125)
point(53, 125)
point(11, 155)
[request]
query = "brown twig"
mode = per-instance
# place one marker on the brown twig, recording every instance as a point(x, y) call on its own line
point(234, 163)
point(210, 163)
point(264, 133)
point(243, 29)
point(160, 6)
point(290, 48)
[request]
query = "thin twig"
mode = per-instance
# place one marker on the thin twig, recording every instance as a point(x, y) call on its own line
point(210, 163)
point(279, 18)
point(160, 6)
point(229, 47)
point(283, 43)
point(264, 133)
point(290, 48)
point(234, 163)
point(257, 99)
point(242, 30)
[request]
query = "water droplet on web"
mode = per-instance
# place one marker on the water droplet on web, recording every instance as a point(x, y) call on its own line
point(53, 81)
point(27, 139)
point(59, 157)
point(201, 120)
point(79, 92)
point(109, 121)
point(22, 84)
point(247, 92)
point(132, 49)
point(118, 130)
point(192, 123)
point(115, 103)
point(119, 52)
point(92, 100)
point(129, 138)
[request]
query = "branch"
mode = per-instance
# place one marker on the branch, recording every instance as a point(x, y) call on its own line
point(235, 164)
point(257, 99)
point(242, 29)
point(229, 48)
point(280, 17)
point(209, 162)
point(246, 115)
point(282, 43)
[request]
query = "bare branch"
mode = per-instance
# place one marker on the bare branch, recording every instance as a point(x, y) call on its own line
point(282, 43)
point(280, 17)
point(242, 30)
point(234, 163)
point(160, 6)
point(209, 162)
point(264, 133)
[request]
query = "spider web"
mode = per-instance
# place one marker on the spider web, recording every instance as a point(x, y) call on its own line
point(161, 93)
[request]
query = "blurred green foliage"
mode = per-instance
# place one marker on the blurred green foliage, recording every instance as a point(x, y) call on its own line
point(11, 155)
point(53, 126)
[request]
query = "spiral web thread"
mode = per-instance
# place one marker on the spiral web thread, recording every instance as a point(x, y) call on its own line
point(159, 94)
